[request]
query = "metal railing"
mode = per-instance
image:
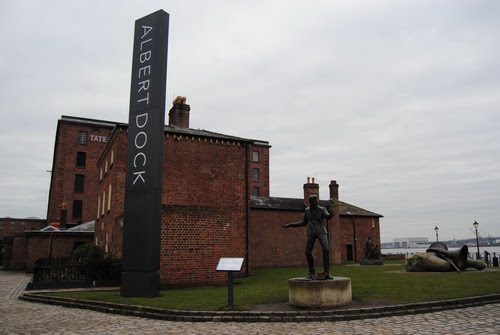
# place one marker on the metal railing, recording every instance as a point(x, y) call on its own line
point(65, 270)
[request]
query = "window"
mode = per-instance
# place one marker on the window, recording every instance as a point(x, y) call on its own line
point(255, 174)
point(100, 177)
point(256, 191)
point(77, 209)
point(103, 202)
point(255, 157)
point(79, 182)
point(109, 198)
point(112, 159)
point(106, 168)
point(98, 206)
point(81, 158)
point(83, 137)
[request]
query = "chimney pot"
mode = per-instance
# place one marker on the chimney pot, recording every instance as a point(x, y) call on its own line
point(310, 189)
point(178, 116)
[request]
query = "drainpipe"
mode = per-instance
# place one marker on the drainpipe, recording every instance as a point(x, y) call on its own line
point(354, 242)
point(247, 209)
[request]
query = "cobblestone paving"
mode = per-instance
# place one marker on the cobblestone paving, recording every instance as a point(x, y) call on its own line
point(19, 317)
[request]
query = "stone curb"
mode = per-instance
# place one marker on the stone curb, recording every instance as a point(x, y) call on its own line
point(263, 316)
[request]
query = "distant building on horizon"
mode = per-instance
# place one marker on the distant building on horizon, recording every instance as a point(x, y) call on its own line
point(408, 242)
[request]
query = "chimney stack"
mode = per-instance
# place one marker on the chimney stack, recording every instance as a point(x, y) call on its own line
point(178, 116)
point(334, 189)
point(310, 188)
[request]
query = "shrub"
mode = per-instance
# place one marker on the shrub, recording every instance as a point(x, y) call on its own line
point(89, 253)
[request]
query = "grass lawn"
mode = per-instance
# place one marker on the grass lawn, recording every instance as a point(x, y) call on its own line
point(388, 284)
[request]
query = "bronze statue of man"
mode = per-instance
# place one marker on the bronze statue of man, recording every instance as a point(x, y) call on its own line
point(314, 217)
point(369, 248)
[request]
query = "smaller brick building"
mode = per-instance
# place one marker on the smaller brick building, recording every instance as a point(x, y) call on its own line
point(25, 248)
point(10, 226)
point(271, 245)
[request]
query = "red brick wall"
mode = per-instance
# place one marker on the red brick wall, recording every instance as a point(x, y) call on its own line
point(204, 184)
point(203, 172)
point(18, 252)
point(263, 166)
point(38, 246)
point(64, 170)
point(7, 251)
point(10, 226)
point(204, 192)
point(365, 226)
point(108, 230)
point(193, 240)
point(271, 245)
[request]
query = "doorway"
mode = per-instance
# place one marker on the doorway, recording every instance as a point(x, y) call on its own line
point(349, 252)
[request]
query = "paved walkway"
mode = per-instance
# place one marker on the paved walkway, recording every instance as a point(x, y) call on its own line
point(20, 317)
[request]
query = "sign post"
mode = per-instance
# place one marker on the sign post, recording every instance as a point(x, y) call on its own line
point(144, 166)
point(230, 265)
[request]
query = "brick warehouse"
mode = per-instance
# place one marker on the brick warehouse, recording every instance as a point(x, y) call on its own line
point(216, 200)
point(79, 143)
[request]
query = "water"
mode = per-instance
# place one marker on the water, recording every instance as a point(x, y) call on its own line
point(413, 251)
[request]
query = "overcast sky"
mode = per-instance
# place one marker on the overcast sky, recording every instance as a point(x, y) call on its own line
point(399, 101)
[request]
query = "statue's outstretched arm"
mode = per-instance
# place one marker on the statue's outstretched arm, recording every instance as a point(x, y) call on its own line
point(296, 224)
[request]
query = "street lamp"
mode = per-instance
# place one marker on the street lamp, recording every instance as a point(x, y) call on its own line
point(436, 229)
point(475, 224)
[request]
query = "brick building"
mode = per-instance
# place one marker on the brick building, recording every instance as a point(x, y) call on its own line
point(271, 245)
point(216, 200)
point(73, 185)
point(73, 189)
point(207, 181)
point(10, 226)
point(24, 248)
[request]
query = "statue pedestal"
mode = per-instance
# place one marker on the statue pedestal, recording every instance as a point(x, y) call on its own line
point(303, 292)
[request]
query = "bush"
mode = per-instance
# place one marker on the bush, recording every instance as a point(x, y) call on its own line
point(89, 253)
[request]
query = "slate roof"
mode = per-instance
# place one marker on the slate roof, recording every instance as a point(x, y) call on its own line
point(292, 204)
point(210, 134)
point(84, 227)
point(87, 121)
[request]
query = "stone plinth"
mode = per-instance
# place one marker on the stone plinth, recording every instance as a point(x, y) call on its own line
point(303, 292)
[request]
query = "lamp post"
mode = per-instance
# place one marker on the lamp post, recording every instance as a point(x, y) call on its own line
point(475, 224)
point(436, 229)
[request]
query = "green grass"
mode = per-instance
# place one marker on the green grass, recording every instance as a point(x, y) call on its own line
point(388, 284)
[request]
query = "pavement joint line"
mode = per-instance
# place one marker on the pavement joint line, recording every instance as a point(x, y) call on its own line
point(262, 316)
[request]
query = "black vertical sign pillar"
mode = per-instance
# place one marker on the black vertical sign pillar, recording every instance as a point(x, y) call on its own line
point(143, 185)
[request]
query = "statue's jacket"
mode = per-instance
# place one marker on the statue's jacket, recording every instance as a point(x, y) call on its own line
point(313, 219)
